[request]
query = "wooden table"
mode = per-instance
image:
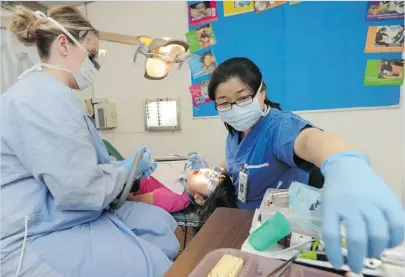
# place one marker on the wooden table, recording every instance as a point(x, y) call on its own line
point(226, 228)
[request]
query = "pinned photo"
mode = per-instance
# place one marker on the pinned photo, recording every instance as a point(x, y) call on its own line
point(261, 6)
point(237, 7)
point(202, 12)
point(388, 72)
point(202, 65)
point(241, 4)
point(199, 93)
point(201, 38)
point(383, 10)
point(383, 39)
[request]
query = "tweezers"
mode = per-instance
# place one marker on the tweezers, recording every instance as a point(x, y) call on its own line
point(278, 272)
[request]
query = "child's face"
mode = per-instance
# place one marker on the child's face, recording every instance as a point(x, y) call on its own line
point(200, 8)
point(198, 182)
point(208, 60)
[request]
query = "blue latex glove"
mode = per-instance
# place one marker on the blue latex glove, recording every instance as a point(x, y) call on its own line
point(146, 167)
point(195, 161)
point(372, 214)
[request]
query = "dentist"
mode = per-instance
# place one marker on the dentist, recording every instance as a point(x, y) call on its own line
point(57, 180)
point(265, 146)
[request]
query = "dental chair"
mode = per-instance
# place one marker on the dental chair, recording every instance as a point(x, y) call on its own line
point(186, 219)
point(112, 151)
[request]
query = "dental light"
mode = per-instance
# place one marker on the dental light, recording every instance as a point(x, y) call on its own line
point(162, 55)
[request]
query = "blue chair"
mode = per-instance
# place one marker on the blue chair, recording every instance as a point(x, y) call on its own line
point(188, 219)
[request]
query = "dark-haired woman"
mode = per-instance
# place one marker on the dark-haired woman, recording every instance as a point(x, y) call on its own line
point(266, 146)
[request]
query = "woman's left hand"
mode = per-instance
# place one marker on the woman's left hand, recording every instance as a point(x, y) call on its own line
point(146, 167)
point(354, 195)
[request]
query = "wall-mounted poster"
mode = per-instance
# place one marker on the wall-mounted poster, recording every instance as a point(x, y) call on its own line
point(202, 12)
point(201, 38)
point(382, 10)
point(237, 7)
point(261, 6)
point(202, 65)
point(199, 93)
point(382, 39)
point(388, 72)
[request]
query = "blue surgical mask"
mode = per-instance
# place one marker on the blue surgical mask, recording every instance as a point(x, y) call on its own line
point(243, 118)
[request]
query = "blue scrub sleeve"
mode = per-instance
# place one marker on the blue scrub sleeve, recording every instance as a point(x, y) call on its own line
point(287, 131)
point(55, 147)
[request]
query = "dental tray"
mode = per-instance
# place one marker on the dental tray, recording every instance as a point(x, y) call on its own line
point(254, 266)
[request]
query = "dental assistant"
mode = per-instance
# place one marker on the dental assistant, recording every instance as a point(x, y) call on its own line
point(57, 180)
point(265, 146)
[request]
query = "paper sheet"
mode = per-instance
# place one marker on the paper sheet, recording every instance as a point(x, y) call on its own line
point(168, 176)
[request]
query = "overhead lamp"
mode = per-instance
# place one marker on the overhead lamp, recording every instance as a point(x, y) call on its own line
point(162, 55)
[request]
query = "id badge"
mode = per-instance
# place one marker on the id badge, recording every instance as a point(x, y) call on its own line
point(243, 183)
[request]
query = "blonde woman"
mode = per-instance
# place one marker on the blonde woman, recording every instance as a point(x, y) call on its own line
point(57, 180)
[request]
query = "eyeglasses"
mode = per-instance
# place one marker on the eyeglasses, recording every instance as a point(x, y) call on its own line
point(214, 177)
point(243, 101)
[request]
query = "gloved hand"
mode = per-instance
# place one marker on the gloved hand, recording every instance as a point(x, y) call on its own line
point(146, 167)
point(195, 161)
point(354, 195)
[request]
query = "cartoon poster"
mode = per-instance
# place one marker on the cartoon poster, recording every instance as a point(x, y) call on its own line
point(261, 6)
point(202, 12)
point(294, 2)
point(202, 65)
point(199, 93)
point(201, 38)
point(382, 39)
point(384, 72)
point(383, 10)
point(237, 7)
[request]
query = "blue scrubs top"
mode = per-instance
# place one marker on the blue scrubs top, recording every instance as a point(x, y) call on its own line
point(271, 141)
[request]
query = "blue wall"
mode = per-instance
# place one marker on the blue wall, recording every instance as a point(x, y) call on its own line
point(311, 54)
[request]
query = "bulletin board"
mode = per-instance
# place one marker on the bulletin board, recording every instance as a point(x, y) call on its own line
point(311, 54)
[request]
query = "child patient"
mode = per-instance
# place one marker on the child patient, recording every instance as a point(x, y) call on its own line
point(199, 185)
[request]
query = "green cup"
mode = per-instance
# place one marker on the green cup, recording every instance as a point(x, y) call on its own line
point(270, 232)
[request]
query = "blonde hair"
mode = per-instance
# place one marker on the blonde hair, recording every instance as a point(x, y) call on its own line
point(30, 28)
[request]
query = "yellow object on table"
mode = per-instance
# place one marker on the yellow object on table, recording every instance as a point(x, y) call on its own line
point(228, 266)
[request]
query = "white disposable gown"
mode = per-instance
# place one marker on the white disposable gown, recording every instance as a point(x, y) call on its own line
point(56, 172)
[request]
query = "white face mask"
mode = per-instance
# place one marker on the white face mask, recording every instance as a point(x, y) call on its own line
point(88, 70)
point(243, 118)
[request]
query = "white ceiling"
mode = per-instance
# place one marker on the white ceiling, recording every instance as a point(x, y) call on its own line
point(59, 3)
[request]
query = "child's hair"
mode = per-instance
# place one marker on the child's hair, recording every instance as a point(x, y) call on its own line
point(223, 196)
point(206, 4)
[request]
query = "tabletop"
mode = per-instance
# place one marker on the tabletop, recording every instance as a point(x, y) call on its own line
point(226, 228)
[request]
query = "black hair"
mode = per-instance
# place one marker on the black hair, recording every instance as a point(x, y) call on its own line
point(223, 196)
point(205, 35)
point(245, 70)
point(207, 4)
point(203, 27)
